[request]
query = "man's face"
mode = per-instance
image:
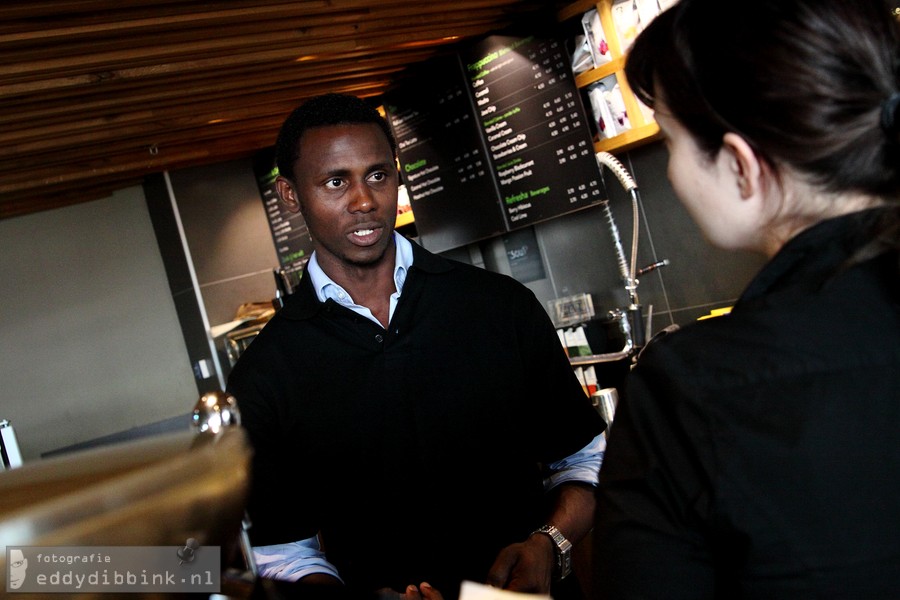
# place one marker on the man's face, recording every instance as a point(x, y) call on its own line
point(346, 189)
point(17, 566)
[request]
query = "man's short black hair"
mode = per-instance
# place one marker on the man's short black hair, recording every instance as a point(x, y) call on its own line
point(327, 109)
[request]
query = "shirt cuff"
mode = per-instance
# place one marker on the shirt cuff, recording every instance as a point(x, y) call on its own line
point(582, 467)
point(293, 561)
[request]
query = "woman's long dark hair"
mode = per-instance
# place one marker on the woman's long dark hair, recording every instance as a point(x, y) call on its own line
point(810, 84)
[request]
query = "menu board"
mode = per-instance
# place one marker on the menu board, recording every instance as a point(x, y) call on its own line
point(293, 244)
point(539, 140)
point(442, 158)
point(493, 139)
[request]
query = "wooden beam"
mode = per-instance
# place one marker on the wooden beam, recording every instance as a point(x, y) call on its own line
point(89, 87)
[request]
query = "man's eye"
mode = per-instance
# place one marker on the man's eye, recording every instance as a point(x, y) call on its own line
point(378, 176)
point(18, 563)
point(333, 183)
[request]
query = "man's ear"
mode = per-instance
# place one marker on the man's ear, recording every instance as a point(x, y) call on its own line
point(744, 164)
point(286, 193)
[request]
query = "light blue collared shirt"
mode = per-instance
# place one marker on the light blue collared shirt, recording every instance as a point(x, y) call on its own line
point(295, 560)
point(328, 289)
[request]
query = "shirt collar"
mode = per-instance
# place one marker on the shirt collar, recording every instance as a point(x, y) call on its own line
point(817, 253)
point(326, 288)
point(304, 303)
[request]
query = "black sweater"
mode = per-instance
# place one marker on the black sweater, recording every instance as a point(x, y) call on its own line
point(755, 455)
point(417, 449)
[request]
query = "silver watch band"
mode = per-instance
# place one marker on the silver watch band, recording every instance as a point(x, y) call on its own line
point(563, 549)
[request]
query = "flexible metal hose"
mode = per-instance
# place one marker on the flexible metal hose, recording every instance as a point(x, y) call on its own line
point(612, 163)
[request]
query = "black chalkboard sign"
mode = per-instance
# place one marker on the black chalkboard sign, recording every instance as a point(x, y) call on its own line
point(492, 139)
point(289, 231)
point(442, 158)
point(539, 141)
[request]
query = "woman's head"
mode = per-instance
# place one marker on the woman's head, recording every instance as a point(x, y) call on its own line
point(804, 82)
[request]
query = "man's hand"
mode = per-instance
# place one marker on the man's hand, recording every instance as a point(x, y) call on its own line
point(525, 567)
point(422, 592)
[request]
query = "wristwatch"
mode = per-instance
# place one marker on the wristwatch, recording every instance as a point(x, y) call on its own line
point(563, 549)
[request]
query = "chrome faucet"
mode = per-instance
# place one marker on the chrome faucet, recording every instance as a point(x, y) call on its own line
point(631, 321)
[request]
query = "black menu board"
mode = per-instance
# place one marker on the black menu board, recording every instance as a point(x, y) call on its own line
point(289, 231)
point(493, 139)
point(442, 157)
point(539, 141)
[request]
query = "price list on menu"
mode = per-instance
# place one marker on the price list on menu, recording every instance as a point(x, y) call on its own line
point(493, 139)
point(538, 140)
point(289, 230)
point(442, 158)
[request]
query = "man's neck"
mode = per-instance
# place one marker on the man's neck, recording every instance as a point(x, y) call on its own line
point(369, 285)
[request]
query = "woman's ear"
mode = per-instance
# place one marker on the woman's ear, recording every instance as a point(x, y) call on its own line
point(286, 193)
point(744, 164)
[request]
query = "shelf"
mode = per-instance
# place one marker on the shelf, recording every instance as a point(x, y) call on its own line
point(594, 359)
point(644, 129)
point(597, 73)
point(634, 137)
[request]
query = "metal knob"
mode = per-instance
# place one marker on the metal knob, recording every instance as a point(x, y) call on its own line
point(215, 411)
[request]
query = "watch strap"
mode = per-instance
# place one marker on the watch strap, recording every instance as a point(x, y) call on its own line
point(562, 548)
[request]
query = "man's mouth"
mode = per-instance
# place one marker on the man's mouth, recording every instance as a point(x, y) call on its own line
point(363, 232)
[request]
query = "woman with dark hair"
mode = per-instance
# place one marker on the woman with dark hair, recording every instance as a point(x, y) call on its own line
point(754, 454)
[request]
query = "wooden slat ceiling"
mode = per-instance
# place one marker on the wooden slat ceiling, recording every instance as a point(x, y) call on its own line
point(96, 94)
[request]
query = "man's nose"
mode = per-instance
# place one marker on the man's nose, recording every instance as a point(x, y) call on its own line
point(363, 199)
